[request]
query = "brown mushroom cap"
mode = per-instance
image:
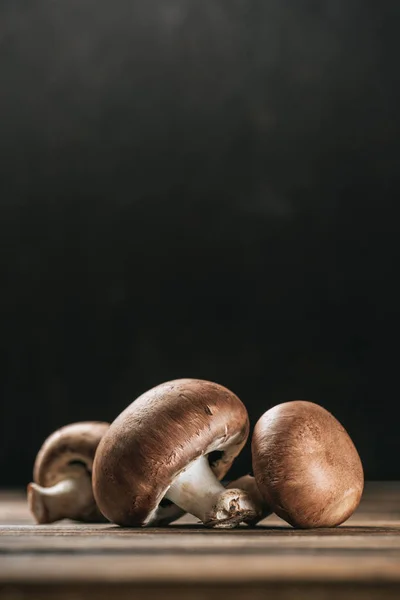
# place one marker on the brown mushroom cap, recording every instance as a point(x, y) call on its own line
point(69, 448)
point(156, 437)
point(74, 443)
point(306, 466)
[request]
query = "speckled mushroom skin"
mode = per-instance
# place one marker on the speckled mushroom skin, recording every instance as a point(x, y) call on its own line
point(156, 437)
point(306, 466)
point(74, 442)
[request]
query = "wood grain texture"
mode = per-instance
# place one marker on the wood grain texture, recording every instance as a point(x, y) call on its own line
point(360, 559)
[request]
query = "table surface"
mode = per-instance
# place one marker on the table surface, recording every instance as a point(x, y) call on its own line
point(360, 559)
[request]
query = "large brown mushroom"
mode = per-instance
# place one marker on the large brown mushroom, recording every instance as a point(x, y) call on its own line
point(158, 449)
point(306, 466)
point(62, 485)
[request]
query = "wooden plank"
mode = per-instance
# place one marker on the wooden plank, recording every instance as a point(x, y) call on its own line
point(253, 591)
point(210, 568)
point(360, 560)
point(197, 544)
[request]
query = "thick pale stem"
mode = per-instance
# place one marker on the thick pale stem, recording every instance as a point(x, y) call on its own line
point(197, 491)
point(71, 498)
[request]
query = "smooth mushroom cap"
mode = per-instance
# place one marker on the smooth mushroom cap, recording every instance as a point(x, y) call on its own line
point(306, 466)
point(64, 452)
point(156, 437)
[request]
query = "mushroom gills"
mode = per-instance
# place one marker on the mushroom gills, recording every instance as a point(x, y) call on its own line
point(67, 499)
point(197, 491)
point(80, 464)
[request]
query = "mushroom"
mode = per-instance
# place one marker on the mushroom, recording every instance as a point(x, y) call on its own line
point(159, 448)
point(306, 466)
point(249, 485)
point(62, 485)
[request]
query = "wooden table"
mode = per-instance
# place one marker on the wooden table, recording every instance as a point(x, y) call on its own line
point(360, 560)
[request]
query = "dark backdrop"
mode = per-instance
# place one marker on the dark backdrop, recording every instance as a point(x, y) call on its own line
point(205, 188)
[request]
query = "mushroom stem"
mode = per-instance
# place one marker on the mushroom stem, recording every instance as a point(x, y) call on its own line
point(248, 483)
point(67, 499)
point(197, 491)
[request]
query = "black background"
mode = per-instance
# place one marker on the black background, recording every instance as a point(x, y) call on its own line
point(199, 188)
